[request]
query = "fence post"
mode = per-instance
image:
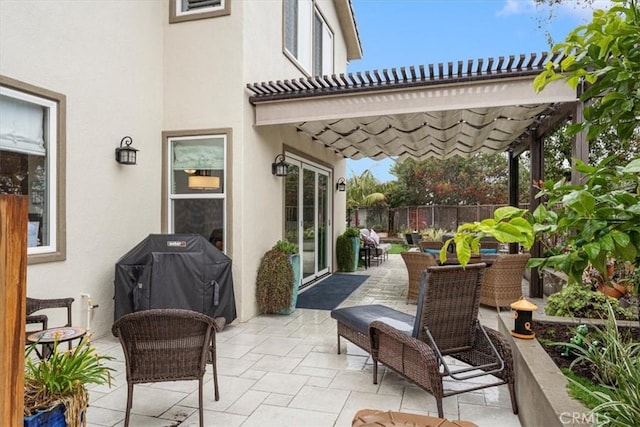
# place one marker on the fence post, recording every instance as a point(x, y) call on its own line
point(13, 285)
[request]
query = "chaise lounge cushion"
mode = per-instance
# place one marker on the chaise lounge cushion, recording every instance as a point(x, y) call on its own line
point(359, 317)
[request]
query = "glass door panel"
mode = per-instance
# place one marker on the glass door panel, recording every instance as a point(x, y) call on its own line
point(308, 224)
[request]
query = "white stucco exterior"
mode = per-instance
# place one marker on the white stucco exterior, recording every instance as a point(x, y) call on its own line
point(125, 70)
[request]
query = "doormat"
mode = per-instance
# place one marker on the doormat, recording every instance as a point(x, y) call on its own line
point(329, 293)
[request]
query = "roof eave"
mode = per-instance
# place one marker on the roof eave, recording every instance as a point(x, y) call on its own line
point(349, 28)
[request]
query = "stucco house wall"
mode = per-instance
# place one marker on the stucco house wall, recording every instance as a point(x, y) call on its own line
point(125, 70)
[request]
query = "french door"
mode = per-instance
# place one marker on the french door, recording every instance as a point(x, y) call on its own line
point(307, 215)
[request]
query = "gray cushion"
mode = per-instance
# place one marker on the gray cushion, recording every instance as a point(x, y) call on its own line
point(359, 317)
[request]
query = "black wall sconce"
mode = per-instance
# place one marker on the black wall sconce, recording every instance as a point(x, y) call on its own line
point(341, 185)
point(126, 154)
point(279, 166)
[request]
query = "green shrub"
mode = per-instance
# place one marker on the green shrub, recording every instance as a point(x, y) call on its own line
point(274, 282)
point(578, 300)
point(351, 232)
point(285, 247)
point(617, 365)
point(344, 253)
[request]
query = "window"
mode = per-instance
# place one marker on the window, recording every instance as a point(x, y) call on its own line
point(196, 185)
point(307, 37)
point(31, 142)
point(189, 10)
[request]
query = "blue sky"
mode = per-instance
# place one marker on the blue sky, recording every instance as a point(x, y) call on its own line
point(401, 33)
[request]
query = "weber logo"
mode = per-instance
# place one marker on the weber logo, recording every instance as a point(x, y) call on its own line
point(177, 244)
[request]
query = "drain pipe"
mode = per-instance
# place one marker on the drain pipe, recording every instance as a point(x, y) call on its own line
point(89, 307)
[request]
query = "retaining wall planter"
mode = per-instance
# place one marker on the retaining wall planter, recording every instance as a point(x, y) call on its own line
point(541, 388)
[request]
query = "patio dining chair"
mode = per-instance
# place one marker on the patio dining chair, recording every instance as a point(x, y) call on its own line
point(35, 305)
point(167, 345)
point(447, 321)
point(502, 283)
point(416, 262)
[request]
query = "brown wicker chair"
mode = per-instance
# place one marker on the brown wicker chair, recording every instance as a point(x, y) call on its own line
point(448, 326)
point(429, 244)
point(502, 283)
point(167, 345)
point(416, 262)
point(36, 304)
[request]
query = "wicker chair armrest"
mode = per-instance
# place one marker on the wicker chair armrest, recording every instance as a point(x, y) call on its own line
point(414, 359)
point(38, 318)
point(500, 342)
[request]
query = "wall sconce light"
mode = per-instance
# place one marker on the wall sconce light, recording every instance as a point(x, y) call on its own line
point(279, 166)
point(201, 181)
point(126, 154)
point(341, 185)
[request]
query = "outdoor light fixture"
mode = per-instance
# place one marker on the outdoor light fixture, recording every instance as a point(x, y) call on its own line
point(523, 316)
point(279, 167)
point(202, 181)
point(126, 154)
point(341, 185)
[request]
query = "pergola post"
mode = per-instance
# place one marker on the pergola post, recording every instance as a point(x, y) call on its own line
point(537, 174)
point(13, 285)
point(514, 180)
point(580, 146)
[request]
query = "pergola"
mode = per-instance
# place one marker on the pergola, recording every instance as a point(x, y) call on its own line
point(420, 112)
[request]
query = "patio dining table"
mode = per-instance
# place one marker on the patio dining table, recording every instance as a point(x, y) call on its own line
point(485, 258)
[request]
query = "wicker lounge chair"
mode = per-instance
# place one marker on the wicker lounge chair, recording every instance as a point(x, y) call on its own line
point(502, 283)
point(416, 262)
point(166, 345)
point(36, 304)
point(448, 326)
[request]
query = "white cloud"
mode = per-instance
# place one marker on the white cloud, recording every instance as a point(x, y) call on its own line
point(580, 8)
point(583, 10)
point(516, 7)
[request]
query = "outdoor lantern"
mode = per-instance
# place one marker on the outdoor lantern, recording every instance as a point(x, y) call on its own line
point(279, 167)
point(523, 317)
point(341, 185)
point(126, 154)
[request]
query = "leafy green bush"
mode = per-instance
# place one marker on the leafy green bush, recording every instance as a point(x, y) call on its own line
point(274, 282)
point(578, 300)
point(344, 253)
point(616, 364)
point(285, 247)
point(351, 232)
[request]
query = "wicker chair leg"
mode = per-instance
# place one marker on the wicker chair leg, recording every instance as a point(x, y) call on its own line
point(375, 371)
point(440, 409)
point(129, 401)
point(338, 342)
point(514, 401)
point(216, 393)
point(200, 409)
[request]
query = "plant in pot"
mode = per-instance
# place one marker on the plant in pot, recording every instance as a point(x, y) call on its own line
point(347, 249)
point(55, 391)
point(588, 224)
point(277, 283)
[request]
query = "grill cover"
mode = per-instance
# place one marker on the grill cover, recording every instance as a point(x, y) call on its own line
point(175, 271)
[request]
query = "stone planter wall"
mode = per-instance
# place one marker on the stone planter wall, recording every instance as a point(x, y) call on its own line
point(541, 388)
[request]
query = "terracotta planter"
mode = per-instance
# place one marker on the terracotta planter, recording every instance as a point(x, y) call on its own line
point(610, 291)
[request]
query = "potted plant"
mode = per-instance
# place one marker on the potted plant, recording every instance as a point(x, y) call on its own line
point(348, 249)
point(55, 391)
point(278, 279)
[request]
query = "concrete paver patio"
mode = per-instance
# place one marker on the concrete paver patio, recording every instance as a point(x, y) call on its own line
point(285, 371)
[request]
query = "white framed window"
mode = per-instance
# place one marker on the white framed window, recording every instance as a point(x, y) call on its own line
point(31, 142)
point(196, 184)
point(308, 39)
point(189, 10)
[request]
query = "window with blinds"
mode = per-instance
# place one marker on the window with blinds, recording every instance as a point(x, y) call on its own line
point(31, 136)
point(189, 10)
point(308, 39)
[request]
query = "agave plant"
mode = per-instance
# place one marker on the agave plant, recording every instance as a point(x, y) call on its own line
point(62, 379)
